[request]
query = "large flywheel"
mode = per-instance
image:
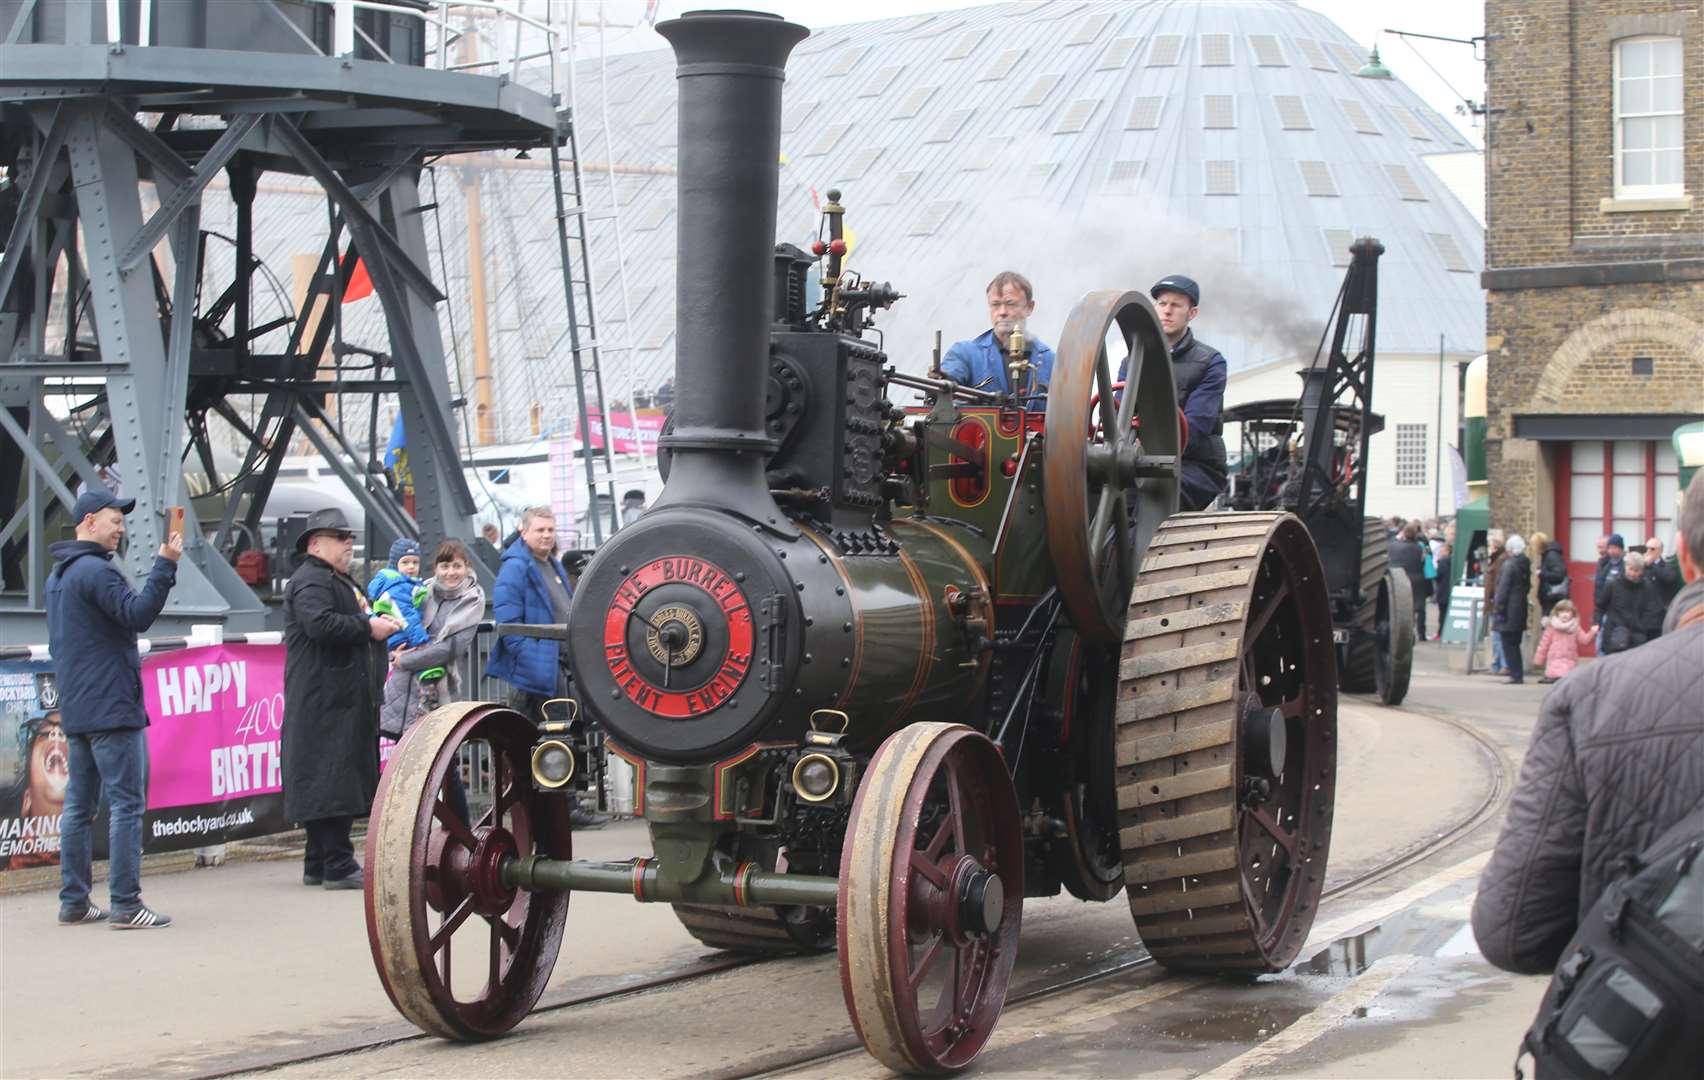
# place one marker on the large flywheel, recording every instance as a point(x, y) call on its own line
point(1108, 482)
point(1227, 742)
point(460, 953)
point(931, 896)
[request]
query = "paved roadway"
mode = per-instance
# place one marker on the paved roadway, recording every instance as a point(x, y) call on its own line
point(260, 970)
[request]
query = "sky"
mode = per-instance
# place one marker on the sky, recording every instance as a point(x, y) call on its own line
point(1443, 73)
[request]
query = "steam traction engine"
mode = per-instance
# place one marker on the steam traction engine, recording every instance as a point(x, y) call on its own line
point(882, 673)
point(1308, 456)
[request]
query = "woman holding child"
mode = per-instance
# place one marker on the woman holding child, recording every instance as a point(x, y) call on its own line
point(437, 672)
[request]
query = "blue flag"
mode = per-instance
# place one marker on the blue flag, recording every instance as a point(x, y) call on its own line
point(396, 453)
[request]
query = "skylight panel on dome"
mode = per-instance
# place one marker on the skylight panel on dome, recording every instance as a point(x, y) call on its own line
point(1292, 113)
point(1124, 175)
point(831, 134)
point(897, 186)
point(1351, 59)
point(983, 153)
point(846, 61)
point(1002, 66)
point(655, 341)
point(1215, 50)
point(859, 163)
point(1314, 55)
point(912, 103)
point(881, 80)
point(1038, 90)
point(655, 110)
point(1410, 123)
point(1055, 11)
point(1337, 243)
point(1118, 53)
point(1221, 178)
point(947, 128)
point(965, 44)
point(1218, 111)
point(1145, 114)
point(1358, 116)
point(794, 115)
point(651, 216)
point(1267, 52)
point(1036, 177)
point(1316, 177)
point(1076, 117)
point(931, 218)
point(1089, 29)
point(1167, 48)
point(906, 26)
point(1450, 252)
point(1406, 185)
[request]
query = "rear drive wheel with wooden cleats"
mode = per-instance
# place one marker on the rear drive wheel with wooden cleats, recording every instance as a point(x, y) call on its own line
point(759, 931)
point(1380, 660)
point(434, 887)
point(1394, 632)
point(931, 897)
point(1227, 742)
point(1357, 662)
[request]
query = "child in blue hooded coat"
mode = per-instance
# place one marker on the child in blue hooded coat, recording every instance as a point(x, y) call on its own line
point(398, 583)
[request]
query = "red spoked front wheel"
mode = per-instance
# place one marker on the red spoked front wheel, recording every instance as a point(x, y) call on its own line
point(461, 954)
point(931, 898)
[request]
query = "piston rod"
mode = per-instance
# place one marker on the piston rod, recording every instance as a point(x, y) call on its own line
point(742, 886)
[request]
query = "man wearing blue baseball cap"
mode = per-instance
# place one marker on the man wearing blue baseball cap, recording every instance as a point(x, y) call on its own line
point(92, 621)
point(1200, 373)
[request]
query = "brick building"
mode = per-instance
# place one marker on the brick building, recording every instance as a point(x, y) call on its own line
point(1595, 264)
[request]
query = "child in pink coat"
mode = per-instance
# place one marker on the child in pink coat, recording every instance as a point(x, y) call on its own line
point(1559, 648)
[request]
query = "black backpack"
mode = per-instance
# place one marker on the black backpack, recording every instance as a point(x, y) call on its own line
point(1627, 1000)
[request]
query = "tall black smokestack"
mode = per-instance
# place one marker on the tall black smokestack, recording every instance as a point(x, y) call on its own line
point(730, 69)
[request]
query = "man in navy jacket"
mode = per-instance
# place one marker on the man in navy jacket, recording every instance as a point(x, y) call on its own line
point(92, 621)
point(532, 587)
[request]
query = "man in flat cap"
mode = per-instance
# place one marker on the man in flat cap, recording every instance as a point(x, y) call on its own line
point(1200, 373)
point(334, 669)
point(92, 621)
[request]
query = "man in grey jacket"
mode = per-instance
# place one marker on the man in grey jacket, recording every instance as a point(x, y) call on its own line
point(1617, 757)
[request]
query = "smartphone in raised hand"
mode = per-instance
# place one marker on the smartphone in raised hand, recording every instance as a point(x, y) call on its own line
point(174, 522)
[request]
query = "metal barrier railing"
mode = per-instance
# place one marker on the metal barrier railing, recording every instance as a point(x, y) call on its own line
point(477, 773)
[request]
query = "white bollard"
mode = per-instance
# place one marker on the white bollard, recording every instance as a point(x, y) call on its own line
point(620, 785)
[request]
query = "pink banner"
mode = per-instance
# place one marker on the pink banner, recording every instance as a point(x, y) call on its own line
point(216, 713)
point(621, 424)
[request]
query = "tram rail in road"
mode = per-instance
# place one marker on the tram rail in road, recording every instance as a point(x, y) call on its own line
point(1038, 1011)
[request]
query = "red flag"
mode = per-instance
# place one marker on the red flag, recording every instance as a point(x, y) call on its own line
point(358, 285)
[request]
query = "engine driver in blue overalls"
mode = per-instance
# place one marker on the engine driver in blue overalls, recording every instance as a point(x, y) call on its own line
point(983, 361)
point(1200, 373)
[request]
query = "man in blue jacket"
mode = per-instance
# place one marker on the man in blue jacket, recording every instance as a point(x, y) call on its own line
point(980, 362)
point(92, 622)
point(532, 587)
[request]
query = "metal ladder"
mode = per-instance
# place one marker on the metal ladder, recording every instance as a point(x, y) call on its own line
point(588, 355)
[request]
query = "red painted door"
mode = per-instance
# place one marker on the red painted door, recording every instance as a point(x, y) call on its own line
point(1624, 486)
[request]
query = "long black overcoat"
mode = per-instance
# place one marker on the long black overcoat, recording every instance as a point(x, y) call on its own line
point(333, 678)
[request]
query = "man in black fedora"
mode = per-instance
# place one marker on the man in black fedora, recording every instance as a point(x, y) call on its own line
point(334, 670)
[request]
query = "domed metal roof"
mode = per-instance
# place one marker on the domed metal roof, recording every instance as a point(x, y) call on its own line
point(1091, 144)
